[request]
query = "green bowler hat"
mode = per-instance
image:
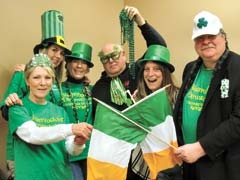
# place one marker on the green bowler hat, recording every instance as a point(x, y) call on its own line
point(157, 53)
point(81, 51)
point(52, 30)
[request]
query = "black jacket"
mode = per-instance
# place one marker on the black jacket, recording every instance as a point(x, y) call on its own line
point(218, 128)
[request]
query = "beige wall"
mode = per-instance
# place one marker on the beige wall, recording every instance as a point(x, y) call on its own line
point(96, 22)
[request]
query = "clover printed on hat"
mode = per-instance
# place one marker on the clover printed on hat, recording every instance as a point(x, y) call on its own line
point(206, 23)
point(52, 31)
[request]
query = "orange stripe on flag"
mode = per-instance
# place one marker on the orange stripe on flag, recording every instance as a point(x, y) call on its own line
point(97, 170)
point(158, 161)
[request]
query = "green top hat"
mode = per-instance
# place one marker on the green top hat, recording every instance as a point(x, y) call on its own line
point(52, 30)
point(158, 53)
point(81, 51)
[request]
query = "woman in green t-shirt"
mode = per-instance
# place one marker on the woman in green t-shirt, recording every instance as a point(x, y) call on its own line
point(52, 44)
point(77, 99)
point(41, 130)
point(17, 88)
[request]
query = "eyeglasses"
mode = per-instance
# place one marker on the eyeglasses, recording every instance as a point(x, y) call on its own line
point(114, 56)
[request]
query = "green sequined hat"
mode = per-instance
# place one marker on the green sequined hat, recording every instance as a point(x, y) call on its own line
point(158, 53)
point(41, 60)
point(81, 51)
point(52, 31)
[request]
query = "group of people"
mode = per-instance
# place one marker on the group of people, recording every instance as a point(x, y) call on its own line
point(50, 121)
point(72, 95)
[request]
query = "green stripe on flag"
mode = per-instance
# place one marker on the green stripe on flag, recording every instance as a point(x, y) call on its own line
point(148, 113)
point(151, 110)
point(120, 128)
point(117, 135)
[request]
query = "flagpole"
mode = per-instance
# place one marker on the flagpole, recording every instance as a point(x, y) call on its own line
point(150, 95)
point(128, 119)
point(129, 93)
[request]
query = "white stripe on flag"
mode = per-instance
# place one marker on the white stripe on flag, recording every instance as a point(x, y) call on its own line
point(109, 149)
point(166, 131)
point(158, 155)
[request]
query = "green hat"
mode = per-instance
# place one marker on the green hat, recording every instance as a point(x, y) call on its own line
point(158, 53)
point(81, 51)
point(52, 30)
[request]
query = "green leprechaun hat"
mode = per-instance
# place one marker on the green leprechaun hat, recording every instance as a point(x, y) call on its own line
point(81, 51)
point(52, 31)
point(157, 53)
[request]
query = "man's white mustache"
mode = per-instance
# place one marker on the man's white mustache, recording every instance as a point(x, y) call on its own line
point(207, 46)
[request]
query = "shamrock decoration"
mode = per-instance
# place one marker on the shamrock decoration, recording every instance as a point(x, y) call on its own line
point(224, 88)
point(60, 18)
point(202, 22)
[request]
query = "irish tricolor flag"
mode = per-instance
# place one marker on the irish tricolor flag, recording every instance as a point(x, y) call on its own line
point(148, 123)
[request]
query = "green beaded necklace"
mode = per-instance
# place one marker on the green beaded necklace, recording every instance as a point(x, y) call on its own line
point(127, 34)
point(87, 94)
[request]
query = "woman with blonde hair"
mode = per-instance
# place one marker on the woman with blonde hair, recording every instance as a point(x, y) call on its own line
point(41, 131)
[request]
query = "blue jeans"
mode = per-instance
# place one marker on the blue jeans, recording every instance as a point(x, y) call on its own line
point(79, 169)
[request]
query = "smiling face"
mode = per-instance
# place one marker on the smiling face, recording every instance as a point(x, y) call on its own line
point(77, 69)
point(113, 59)
point(152, 75)
point(39, 80)
point(210, 48)
point(56, 54)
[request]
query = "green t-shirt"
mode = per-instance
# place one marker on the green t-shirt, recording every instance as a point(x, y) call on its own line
point(193, 103)
point(39, 162)
point(73, 97)
point(9, 147)
point(18, 85)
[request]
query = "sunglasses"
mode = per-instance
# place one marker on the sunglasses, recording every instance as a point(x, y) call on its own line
point(114, 56)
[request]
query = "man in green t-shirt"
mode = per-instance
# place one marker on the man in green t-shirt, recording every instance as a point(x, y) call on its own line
point(207, 110)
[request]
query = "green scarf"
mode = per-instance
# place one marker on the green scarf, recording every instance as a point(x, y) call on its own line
point(118, 92)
